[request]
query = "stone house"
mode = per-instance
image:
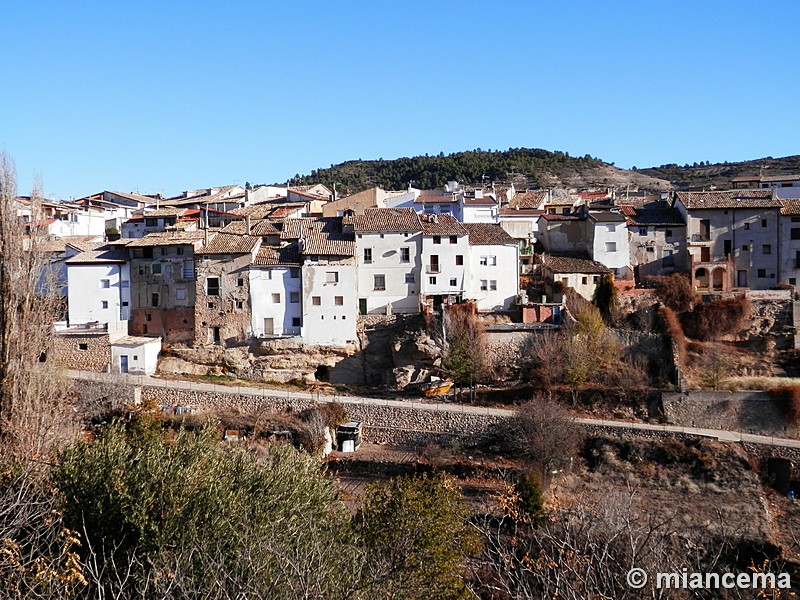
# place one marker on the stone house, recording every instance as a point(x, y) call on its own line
point(162, 268)
point(222, 288)
point(732, 238)
point(581, 274)
point(657, 240)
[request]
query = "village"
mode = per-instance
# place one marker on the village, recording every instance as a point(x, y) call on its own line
point(300, 268)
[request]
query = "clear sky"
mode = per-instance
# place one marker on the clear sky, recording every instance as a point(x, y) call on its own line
point(162, 96)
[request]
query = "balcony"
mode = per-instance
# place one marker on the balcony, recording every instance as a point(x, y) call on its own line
point(433, 269)
point(700, 238)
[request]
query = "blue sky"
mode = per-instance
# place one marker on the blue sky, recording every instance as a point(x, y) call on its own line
point(165, 96)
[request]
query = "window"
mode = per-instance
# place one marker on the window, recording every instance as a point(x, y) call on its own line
point(367, 255)
point(156, 268)
point(124, 283)
point(584, 280)
point(163, 252)
point(379, 282)
point(83, 346)
point(180, 294)
point(459, 260)
point(149, 317)
point(611, 228)
point(432, 280)
point(792, 281)
point(211, 305)
point(294, 272)
point(212, 286)
point(596, 279)
point(650, 249)
point(746, 226)
point(239, 304)
point(316, 300)
point(276, 298)
point(611, 246)
point(492, 261)
point(493, 285)
point(762, 273)
point(410, 278)
point(294, 297)
point(763, 222)
point(124, 303)
point(405, 254)
point(104, 304)
point(437, 239)
point(105, 283)
point(154, 299)
point(179, 250)
point(151, 222)
point(642, 230)
point(453, 282)
point(766, 249)
point(484, 285)
point(484, 260)
point(795, 234)
point(668, 233)
point(795, 219)
point(295, 321)
point(338, 300)
point(453, 239)
point(331, 277)
point(240, 282)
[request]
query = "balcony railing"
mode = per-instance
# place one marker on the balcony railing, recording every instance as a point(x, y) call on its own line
point(701, 237)
point(433, 269)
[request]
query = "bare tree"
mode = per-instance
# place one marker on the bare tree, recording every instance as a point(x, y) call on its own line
point(33, 404)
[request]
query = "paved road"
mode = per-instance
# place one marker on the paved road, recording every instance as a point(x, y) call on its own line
point(438, 406)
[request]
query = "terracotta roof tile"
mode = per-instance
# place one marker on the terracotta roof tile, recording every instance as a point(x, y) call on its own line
point(260, 227)
point(228, 243)
point(757, 198)
point(487, 234)
point(656, 213)
point(325, 236)
point(271, 256)
point(528, 199)
point(101, 254)
point(573, 264)
point(169, 238)
point(790, 206)
point(387, 219)
point(443, 225)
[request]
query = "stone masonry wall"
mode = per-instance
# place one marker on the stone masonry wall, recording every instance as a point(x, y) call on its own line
point(86, 352)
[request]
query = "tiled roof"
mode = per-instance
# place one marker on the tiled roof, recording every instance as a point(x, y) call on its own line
point(528, 199)
point(79, 242)
point(254, 211)
point(228, 243)
point(485, 201)
point(487, 234)
point(520, 212)
point(563, 200)
point(136, 197)
point(293, 228)
point(548, 217)
point(757, 198)
point(285, 210)
point(102, 254)
point(790, 206)
point(324, 236)
point(656, 213)
point(766, 178)
point(169, 238)
point(572, 264)
point(432, 198)
point(443, 225)
point(165, 211)
point(386, 219)
point(260, 227)
point(270, 255)
point(607, 216)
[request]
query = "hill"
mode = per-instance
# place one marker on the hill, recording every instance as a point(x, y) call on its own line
point(525, 167)
point(704, 174)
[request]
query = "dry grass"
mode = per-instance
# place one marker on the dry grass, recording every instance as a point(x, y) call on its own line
point(735, 384)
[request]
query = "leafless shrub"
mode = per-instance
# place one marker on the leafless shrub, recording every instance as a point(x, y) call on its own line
point(713, 320)
point(675, 291)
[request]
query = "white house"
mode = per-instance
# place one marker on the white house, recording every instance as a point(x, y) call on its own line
point(329, 280)
point(445, 260)
point(478, 207)
point(134, 355)
point(276, 292)
point(388, 259)
point(610, 242)
point(98, 286)
point(493, 266)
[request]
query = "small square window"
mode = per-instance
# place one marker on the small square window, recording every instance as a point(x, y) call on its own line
point(105, 283)
point(295, 321)
point(792, 281)
point(432, 280)
point(437, 239)
point(104, 303)
point(410, 278)
point(453, 239)
point(650, 249)
point(179, 250)
point(763, 222)
point(459, 260)
point(584, 280)
point(484, 285)
point(156, 268)
point(668, 233)
point(338, 300)
point(210, 305)
point(596, 279)
point(83, 346)
point(163, 252)
point(331, 277)
point(493, 285)
point(643, 231)
point(766, 249)
point(453, 282)
point(316, 300)
point(294, 272)
point(745, 248)
point(294, 297)
point(276, 298)
point(611, 246)
point(746, 226)
point(762, 273)
point(484, 260)
point(240, 282)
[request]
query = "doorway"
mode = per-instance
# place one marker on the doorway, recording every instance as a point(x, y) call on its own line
point(269, 326)
point(123, 363)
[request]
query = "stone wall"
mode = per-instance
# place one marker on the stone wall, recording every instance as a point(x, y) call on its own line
point(86, 351)
point(748, 412)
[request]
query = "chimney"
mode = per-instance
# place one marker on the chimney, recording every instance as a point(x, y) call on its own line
point(247, 220)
